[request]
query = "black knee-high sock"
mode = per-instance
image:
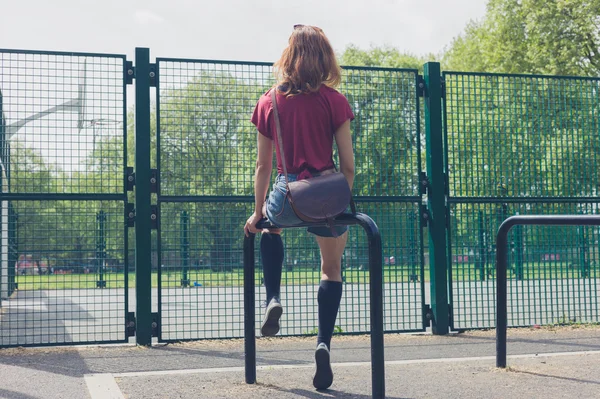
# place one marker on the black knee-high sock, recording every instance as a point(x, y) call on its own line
point(329, 297)
point(271, 252)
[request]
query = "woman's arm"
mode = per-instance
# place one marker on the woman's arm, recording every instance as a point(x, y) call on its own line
point(264, 167)
point(262, 176)
point(343, 139)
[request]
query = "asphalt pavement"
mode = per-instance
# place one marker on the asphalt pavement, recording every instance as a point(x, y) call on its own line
point(562, 362)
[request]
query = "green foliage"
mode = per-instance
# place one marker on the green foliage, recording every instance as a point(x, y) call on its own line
point(533, 137)
point(538, 135)
point(384, 56)
point(385, 128)
point(519, 137)
point(63, 232)
point(557, 37)
point(207, 148)
point(388, 140)
point(315, 331)
point(206, 136)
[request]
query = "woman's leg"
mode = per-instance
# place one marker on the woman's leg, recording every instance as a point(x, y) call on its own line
point(330, 289)
point(328, 298)
point(271, 252)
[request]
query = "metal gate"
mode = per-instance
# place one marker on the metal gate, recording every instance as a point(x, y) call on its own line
point(497, 145)
point(63, 241)
point(517, 145)
point(205, 164)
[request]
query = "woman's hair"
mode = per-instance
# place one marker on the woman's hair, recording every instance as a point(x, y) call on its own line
point(307, 62)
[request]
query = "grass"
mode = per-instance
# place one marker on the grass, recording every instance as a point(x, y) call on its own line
point(315, 331)
point(298, 276)
point(207, 278)
point(531, 271)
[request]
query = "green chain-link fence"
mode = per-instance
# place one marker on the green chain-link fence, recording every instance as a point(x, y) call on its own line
point(522, 145)
point(63, 239)
point(206, 159)
point(512, 144)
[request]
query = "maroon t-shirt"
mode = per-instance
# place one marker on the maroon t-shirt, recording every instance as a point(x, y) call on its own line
point(308, 123)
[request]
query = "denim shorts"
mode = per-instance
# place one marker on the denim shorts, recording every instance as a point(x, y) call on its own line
point(280, 213)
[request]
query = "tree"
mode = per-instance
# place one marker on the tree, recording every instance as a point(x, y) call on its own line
point(104, 174)
point(207, 148)
point(532, 136)
point(388, 142)
point(41, 225)
point(384, 56)
point(556, 37)
point(66, 231)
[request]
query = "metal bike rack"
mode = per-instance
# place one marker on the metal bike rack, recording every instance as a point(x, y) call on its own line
point(502, 260)
point(376, 296)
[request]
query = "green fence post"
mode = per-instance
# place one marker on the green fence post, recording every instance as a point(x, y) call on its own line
point(502, 212)
point(13, 253)
point(413, 248)
point(436, 199)
point(101, 249)
point(584, 266)
point(481, 260)
point(518, 252)
point(143, 244)
point(185, 248)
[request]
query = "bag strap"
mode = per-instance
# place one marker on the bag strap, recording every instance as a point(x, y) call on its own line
point(278, 128)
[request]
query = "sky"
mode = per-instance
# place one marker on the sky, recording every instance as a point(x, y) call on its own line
point(250, 30)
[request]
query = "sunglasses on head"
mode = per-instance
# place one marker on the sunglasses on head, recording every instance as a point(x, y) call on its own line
point(298, 26)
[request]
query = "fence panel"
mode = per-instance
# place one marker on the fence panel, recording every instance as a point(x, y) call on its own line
point(520, 144)
point(63, 237)
point(206, 158)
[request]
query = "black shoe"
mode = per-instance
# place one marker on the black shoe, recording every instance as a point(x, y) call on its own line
point(324, 375)
point(270, 324)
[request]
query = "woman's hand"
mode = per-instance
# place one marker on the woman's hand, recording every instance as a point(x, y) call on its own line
point(250, 226)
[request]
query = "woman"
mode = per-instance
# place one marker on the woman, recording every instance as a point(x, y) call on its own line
point(312, 114)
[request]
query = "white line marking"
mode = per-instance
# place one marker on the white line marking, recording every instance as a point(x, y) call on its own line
point(347, 364)
point(103, 386)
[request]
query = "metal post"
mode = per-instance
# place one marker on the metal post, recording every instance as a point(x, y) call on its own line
point(413, 249)
point(101, 249)
point(249, 317)
point(143, 260)
point(584, 256)
point(502, 260)
point(185, 248)
point(482, 261)
point(501, 296)
point(436, 199)
point(376, 297)
point(12, 251)
point(502, 209)
point(519, 252)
